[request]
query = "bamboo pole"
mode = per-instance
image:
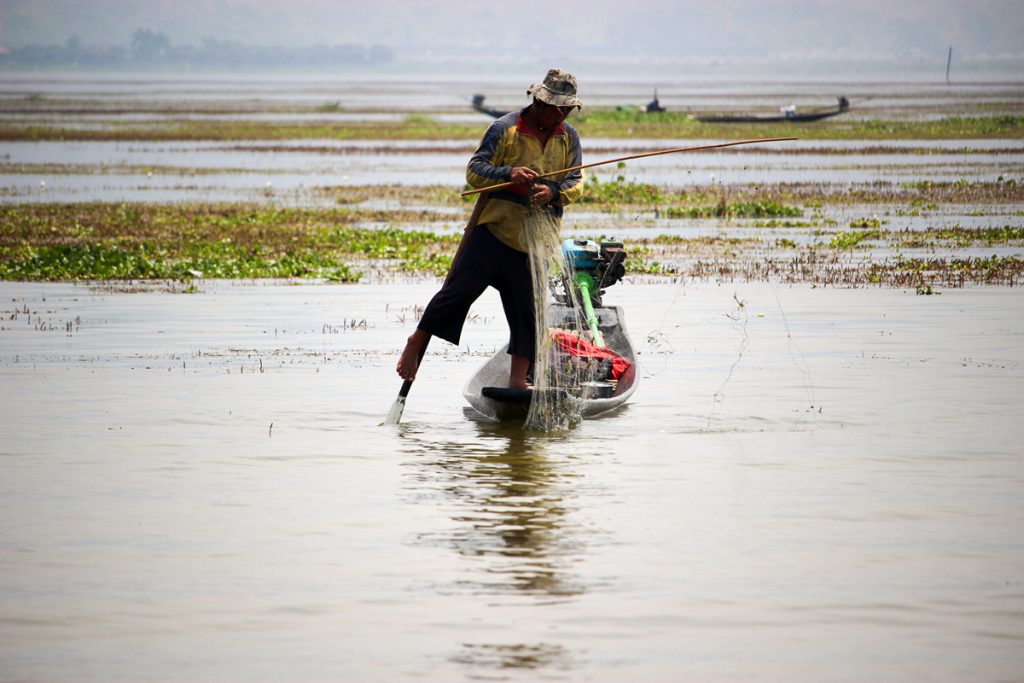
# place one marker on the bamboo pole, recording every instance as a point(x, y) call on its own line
point(491, 188)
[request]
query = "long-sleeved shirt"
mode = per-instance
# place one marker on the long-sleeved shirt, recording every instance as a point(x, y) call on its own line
point(511, 141)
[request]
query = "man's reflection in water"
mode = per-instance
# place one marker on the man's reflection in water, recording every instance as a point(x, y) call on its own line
point(539, 656)
point(511, 494)
point(511, 508)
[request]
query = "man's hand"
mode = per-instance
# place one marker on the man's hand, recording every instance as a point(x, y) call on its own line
point(544, 191)
point(523, 175)
point(541, 194)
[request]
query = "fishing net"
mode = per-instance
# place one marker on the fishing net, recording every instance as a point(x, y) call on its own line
point(557, 376)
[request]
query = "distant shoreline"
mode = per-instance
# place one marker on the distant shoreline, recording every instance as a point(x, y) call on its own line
point(1003, 69)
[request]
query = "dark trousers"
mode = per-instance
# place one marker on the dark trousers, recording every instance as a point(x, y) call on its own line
point(486, 262)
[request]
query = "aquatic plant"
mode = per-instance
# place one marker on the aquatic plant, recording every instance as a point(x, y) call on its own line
point(850, 240)
point(619, 191)
point(131, 241)
point(775, 223)
point(952, 272)
point(606, 124)
point(149, 261)
point(762, 208)
point(960, 236)
point(182, 243)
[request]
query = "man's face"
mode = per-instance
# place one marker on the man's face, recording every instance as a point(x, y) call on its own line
point(550, 115)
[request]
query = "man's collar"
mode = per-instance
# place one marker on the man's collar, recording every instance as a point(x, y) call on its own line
point(523, 125)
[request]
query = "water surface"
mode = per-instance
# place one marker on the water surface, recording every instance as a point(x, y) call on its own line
point(196, 488)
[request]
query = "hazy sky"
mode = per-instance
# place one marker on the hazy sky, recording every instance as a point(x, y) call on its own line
point(610, 29)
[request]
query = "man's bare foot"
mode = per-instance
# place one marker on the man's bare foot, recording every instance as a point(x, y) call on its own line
point(409, 361)
point(517, 374)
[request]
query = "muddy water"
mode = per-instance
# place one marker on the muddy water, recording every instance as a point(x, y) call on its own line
point(285, 171)
point(196, 488)
point(903, 93)
point(188, 171)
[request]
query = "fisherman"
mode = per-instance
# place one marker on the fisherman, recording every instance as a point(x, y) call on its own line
point(518, 147)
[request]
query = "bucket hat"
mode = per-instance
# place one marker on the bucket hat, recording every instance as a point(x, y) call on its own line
point(558, 89)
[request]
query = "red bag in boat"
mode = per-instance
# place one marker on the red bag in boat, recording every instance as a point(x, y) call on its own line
point(577, 346)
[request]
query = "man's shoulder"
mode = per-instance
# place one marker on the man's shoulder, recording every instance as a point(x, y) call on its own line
point(571, 132)
point(507, 121)
point(500, 126)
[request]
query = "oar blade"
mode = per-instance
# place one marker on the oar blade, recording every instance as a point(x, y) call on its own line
point(394, 415)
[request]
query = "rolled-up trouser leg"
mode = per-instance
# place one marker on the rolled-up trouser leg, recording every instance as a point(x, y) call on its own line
point(485, 262)
point(446, 313)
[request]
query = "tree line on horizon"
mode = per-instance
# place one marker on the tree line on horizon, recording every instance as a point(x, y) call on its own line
point(152, 48)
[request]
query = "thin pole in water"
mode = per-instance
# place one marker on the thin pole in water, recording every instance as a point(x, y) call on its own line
point(394, 415)
point(949, 60)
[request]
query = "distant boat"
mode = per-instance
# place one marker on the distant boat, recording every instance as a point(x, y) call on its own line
point(478, 105)
point(788, 114)
point(653, 107)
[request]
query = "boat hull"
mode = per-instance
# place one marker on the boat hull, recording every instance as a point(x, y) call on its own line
point(485, 391)
point(795, 118)
point(791, 117)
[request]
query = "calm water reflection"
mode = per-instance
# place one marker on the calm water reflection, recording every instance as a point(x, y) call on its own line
point(495, 658)
point(510, 502)
point(510, 497)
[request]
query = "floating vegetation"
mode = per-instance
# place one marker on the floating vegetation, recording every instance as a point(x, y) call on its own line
point(959, 191)
point(615, 195)
point(687, 203)
point(775, 223)
point(148, 241)
point(952, 272)
point(620, 191)
point(189, 242)
point(762, 208)
point(157, 262)
point(666, 125)
point(650, 267)
point(849, 240)
point(960, 237)
point(921, 195)
point(600, 124)
point(413, 128)
point(116, 169)
point(432, 195)
point(932, 238)
point(830, 269)
point(704, 240)
point(866, 223)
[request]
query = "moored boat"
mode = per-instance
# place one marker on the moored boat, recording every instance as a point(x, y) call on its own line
point(789, 114)
point(478, 105)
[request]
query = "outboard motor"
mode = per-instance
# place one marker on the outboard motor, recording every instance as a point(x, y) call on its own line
point(593, 267)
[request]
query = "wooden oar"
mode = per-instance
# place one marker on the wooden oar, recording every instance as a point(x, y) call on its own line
point(394, 415)
point(492, 188)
